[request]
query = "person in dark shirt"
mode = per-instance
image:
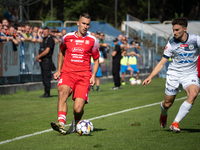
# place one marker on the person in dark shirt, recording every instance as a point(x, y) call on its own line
point(116, 54)
point(44, 57)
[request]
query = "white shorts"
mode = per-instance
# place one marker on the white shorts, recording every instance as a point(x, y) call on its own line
point(173, 83)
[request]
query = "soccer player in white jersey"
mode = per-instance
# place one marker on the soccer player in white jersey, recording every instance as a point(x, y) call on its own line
point(183, 49)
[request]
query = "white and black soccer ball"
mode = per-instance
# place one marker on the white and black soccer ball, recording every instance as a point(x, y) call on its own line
point(84, 127)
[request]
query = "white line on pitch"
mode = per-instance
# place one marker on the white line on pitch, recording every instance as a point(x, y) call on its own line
point(119, 112)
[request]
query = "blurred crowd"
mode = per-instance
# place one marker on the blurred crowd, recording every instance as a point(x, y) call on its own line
point(12, 30)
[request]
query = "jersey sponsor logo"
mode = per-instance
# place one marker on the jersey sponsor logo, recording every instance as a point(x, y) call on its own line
point(184, 45)
point(78, 56)
point(87, 42)
point(79, 41)
point(191, 47)
point(78, 49)
point(185, 58)
point(75, 60)
point(166, 47)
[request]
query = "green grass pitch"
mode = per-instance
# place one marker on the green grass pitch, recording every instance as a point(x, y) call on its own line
point(123, 120)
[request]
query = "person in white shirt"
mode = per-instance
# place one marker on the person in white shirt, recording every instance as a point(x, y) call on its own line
point(183, 50)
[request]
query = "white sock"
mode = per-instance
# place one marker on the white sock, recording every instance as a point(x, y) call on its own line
point(163, 110)
point(183, 111)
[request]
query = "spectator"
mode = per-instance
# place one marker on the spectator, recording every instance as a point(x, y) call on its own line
point(125, 45)
point(136, 45)
point(125, 66)
point(15, 17)
point(116, 54)
point(44, 57)
point(35, 28)
point(5, 22)
point(53, 34)
point(104, 47)
point(93, 34)
point(27, 30)
point(8, 14)
point(0, 27)
point(12, 36)
point(40, 31)
point(36, 37)
point(64, 32)
point(133, 63)
point(4, 30)
point(3, 37)
point(23, 28)
point(120, 36)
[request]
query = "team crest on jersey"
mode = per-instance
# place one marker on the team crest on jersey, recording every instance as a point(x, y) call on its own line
point(87, 42)
point(191, 47)
point(71, 40)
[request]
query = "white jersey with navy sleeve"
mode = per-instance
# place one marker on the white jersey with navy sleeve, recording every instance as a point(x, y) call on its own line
point(184, 55)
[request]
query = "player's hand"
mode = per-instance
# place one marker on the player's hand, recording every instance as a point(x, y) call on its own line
point(92, 80)
point(56, 75)
point(146, 81)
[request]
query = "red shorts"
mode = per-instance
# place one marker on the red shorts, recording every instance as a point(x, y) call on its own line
point(80, 85)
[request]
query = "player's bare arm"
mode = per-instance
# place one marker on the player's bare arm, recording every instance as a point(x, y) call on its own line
point(95, 69)
point(61, 56)
point(155, 71)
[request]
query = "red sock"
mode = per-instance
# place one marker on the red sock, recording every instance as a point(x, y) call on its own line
point(62, 117)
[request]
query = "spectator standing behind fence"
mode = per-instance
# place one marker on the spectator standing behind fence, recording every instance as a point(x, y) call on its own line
point(136, 45)
point(44, 57)
point(5, 22)
point(116, 54)
point(27, 30)
point(132, 60)
point(104, 47)
point(12, 37)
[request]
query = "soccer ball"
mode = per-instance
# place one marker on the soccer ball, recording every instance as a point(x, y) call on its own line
point(84, 127)
point(133, 82)
point(138, 81)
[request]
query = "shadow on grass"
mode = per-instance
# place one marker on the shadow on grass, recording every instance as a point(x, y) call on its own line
point(54, 95)
point(98, 129)
point(191, 130)
point(186, 130)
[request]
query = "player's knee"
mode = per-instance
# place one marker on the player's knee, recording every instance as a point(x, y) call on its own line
point(167, 105)
point(193, 94)
point(78, 110)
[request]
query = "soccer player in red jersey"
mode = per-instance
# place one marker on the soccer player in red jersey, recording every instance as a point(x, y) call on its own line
point(74, 70)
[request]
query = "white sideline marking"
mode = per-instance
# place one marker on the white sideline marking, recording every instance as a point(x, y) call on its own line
point(119, 112)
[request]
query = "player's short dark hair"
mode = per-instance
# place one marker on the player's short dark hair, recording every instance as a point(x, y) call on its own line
point(85, 15)
point(45, 28)
point(180, 21)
